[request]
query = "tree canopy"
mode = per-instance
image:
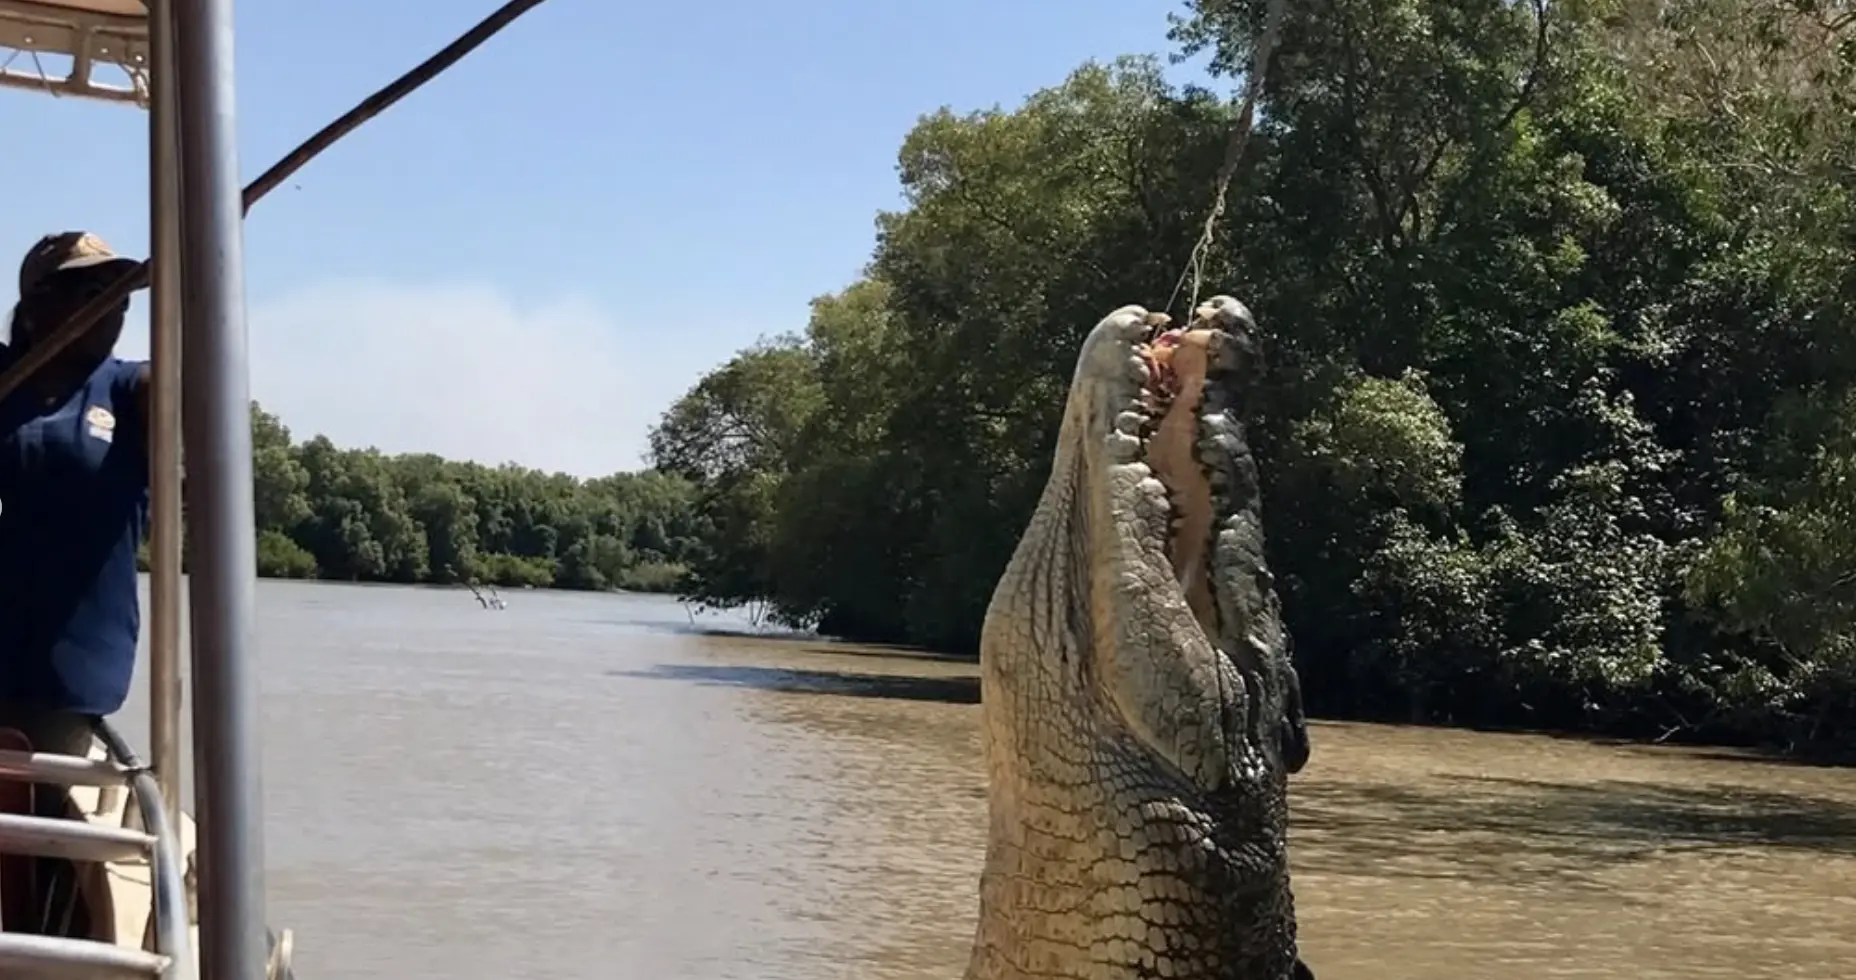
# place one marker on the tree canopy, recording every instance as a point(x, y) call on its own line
point(1559, 419)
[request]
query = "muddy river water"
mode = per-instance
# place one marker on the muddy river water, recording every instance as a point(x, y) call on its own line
point(599, 787)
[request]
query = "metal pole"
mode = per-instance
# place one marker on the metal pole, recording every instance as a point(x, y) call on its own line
point(222, 556)
point(164, 546)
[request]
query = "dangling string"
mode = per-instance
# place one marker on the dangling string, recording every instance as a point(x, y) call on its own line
point(1233, 154)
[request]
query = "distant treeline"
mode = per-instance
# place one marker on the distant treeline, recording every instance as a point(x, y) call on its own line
point(361, 515)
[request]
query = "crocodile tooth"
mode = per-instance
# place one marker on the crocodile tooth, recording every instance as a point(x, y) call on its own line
point(1124, 448)
point(1129, 323)
point(1216, 422)
point(1221, 444)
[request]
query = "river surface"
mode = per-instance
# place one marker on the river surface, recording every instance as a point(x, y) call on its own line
point(585, 786)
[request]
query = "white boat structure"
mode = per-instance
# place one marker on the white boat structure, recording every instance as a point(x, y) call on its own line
point(155, 893)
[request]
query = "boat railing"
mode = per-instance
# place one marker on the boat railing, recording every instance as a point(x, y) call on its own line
point(165, 953)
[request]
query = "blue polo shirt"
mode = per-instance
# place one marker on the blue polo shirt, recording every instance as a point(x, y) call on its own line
point(73, 510)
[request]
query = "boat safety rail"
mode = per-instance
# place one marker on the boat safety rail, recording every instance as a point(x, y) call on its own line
point(157, 842)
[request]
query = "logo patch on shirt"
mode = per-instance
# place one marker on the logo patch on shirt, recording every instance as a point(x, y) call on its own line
point(102, 423)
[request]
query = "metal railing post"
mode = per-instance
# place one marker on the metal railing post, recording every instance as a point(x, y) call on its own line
point(164, 546)
point(221, 552)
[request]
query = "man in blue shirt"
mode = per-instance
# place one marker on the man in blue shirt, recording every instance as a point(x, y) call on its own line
point(73, 505)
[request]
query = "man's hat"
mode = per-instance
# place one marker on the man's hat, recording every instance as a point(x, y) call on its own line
point(66, 251)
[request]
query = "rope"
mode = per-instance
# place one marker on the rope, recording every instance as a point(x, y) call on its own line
point(1233, 154)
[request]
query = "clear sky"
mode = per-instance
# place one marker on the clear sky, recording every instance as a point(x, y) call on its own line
point(531, 257)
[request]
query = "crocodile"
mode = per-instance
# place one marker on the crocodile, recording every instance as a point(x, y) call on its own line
point(1140, 711)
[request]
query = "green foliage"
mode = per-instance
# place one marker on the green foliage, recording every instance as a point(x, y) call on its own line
point(516, 571)
point(280, 557)
point(360, 515)
point(1558, 415)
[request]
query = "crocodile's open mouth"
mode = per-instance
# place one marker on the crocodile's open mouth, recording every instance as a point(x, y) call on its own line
point(1188, 640)
point(1186, 458)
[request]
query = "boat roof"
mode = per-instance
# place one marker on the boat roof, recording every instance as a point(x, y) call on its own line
point(76, 36)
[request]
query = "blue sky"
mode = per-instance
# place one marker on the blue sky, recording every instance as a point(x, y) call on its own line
point(530, 258)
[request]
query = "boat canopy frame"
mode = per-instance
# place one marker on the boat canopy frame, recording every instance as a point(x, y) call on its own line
point(176, 57)
point(91, 33)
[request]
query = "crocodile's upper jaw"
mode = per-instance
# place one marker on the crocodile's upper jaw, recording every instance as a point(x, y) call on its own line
point(1140, 713)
